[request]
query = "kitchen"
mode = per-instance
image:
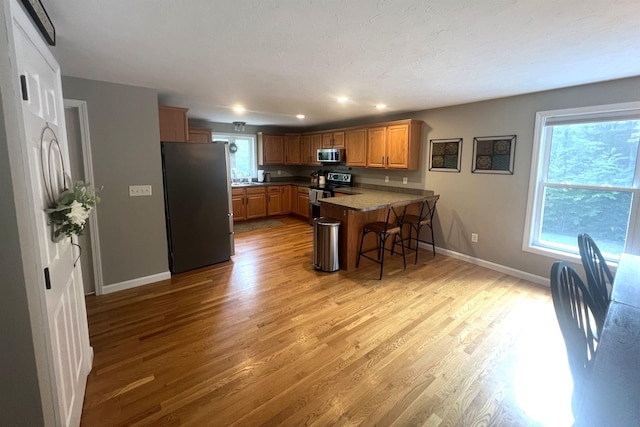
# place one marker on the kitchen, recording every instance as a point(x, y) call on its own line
point(123, 117)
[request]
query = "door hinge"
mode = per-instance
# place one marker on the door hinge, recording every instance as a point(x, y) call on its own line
point(23, 87)
point(47, 279)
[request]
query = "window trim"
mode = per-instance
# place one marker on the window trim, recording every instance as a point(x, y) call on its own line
point(539, 168)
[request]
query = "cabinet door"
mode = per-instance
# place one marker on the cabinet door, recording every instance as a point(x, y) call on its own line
point(305, 149)
point(327, 140)
point(316, 144)
point(398, 147)
point(376, 147)
point(173, 123)
point(274, 201)
point(256, 202)
point(303, 204)
point(356, 147)
point(273, 146)
point(338, 139)
point(292, 149)
point(285, 196)
point(199, 135)
point(294, 198)
point(239, 206)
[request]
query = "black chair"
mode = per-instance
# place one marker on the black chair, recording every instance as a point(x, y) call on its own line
point(383, 230)
point(416, 222)
point(599, 277)
point(575, 312)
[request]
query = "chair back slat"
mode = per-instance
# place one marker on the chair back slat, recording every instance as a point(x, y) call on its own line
point(599, 277)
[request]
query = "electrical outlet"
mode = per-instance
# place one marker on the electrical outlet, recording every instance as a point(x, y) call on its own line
point(139, 190)
point(405, 180)
point(279, 172)
point(474, 237)
point(386, 178)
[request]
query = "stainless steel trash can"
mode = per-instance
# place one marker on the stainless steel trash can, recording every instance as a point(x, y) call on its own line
point(325, 244)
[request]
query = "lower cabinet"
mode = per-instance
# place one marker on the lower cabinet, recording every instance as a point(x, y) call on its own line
point(274, 201)
point(303, 202)
point(285, 197)
point(249, 203)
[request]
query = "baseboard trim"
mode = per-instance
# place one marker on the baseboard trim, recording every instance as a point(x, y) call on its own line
point(128, 284)
point(538, 280)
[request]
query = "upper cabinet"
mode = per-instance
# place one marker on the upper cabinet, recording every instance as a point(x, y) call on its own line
point(173, 124)
point(395, 146)
point(199, 135)
point(356, 147)
point(292, 150)
point(309, 145)
point(270, 149)
point(333, 139)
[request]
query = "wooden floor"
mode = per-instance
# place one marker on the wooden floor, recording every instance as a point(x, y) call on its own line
point(267, 340)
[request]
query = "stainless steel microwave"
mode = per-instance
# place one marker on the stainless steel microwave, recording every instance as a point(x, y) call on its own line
point(330, 155)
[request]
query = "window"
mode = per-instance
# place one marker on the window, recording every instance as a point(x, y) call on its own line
point(242, 154)
point(585, 179)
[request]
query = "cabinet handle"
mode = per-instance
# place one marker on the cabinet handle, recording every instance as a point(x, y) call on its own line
point(382, 160)
point(387, 160)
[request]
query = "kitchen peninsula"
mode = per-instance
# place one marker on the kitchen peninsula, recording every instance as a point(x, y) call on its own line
point(357, 207)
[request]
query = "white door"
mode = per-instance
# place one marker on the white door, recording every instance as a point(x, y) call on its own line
point(66, 311)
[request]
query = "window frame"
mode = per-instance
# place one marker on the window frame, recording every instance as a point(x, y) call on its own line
point(254, 152)
point(541, 151)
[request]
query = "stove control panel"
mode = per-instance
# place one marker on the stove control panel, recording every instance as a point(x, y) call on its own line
point(344, 178)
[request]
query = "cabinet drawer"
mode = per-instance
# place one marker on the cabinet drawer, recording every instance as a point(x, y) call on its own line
point(237, 191)
point(273, 189)
point(255, 190)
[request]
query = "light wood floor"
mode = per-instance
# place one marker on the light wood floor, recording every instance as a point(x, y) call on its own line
point(266, 340)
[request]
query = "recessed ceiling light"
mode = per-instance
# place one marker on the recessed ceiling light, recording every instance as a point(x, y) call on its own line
point(300, 116)
point(342, 99)
point(381, 106)
point(239, 109)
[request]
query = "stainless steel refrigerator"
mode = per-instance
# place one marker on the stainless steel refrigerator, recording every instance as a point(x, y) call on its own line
point(198, 207)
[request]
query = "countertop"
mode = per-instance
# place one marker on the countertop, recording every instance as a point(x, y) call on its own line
point(365, 199)
point(299, 183)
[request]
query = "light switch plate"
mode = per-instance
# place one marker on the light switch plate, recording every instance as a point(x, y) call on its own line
point(405, 180)
point(139, 190)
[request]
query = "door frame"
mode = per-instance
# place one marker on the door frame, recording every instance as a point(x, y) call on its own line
point(87, 159)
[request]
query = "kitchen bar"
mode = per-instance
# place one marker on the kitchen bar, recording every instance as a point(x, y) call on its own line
point(357, 207)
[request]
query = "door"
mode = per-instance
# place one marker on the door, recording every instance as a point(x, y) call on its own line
point(376, 147)
point(66, 312)
point(397, 146)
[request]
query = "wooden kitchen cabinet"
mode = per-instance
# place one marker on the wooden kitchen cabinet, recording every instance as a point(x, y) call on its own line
point(294, 198)
point(249, 203)
point(292, 150)
point(396, 146)
point(285, 197)
point(173, 123)
point(270, 149)
point(376, 147)
point(274, 201)
point(333, 139)
point(303, 202)
point(309, 145)
point(239, 204)
point(199, 135)
point(356, 147)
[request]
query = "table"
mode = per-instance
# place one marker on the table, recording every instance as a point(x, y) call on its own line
point(612, 395)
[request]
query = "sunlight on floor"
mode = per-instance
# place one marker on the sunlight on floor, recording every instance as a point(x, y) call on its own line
point(542, 379)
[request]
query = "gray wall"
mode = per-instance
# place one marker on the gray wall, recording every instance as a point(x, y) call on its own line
point(125, 143)
point(19, 389)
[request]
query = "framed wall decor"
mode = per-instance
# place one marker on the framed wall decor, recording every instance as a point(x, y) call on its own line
point(41, 19)
point(445, 155)
point(494, 154)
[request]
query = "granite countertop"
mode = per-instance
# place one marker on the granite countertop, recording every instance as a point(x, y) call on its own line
point(366, 199)
point(299, 183)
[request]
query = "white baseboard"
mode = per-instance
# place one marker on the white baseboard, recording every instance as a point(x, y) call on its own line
point(539, 280)
point(128, 284)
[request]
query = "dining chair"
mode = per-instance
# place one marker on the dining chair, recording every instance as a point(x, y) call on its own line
point(391, 226)
point(575, 312)
point(599, 277)
point(422, 219)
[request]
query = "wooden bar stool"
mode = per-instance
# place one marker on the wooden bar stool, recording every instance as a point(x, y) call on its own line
point(383, 230)
point(416, 222)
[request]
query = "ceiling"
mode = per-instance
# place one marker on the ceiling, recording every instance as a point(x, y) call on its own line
point(279, 58)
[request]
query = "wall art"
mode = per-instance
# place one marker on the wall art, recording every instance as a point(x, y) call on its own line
point(446, 155)
point(494, 154)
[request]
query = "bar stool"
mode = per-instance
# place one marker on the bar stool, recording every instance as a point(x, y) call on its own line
point(383, 230)
point(424, 218)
